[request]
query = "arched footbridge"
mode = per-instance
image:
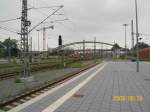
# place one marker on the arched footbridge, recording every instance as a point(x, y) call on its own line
point(80, 42)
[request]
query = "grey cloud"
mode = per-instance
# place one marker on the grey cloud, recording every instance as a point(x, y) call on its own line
point(89, 18)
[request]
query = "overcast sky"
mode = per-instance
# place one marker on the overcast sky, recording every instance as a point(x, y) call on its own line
point(102, 19)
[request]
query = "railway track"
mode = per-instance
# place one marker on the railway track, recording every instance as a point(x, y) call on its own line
point(34, 67)
point(13, 102)
point(7, 75)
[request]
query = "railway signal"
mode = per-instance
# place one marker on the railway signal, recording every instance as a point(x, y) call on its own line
point(60, 40)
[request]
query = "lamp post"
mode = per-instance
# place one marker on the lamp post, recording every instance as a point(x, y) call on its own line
point(137, 36)
point(125, 25)
point(48, 47)
point(95, 49)
point(38, 42)
point(132, 35)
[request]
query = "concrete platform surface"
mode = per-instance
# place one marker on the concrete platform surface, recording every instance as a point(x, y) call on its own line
point(108, 87)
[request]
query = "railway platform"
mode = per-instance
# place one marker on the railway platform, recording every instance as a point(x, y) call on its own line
point(107, 87)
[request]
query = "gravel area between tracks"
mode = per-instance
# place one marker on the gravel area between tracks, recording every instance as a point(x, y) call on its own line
point(9, 88)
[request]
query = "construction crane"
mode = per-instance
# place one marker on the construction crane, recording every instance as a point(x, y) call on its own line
point(44, 35)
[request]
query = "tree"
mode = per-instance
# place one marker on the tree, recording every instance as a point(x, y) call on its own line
point(2, 49)
point(115, 47)
point(11, 46)
point(142, 45)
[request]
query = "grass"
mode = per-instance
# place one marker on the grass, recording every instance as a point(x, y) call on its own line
point(35, 66)
point(76, 65)
point(43, 64)
point(18, 81)
point(8, 65)
point(146, 60)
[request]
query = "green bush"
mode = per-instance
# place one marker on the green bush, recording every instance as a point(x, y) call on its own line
point(18, 81)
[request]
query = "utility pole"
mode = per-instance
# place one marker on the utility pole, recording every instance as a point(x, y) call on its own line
point(44, 38)
point(31, 49)
point(132, 34)
point(125, 25)
point(137, 38)
point(83, 49)
point(25, 72)
point(101, 50)
point(9, 50)
point(38, 42)
point(48, 47)
point(95, 48)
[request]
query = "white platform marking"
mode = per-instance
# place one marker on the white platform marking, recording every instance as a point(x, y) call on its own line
point(64, 98)
point(28, 103)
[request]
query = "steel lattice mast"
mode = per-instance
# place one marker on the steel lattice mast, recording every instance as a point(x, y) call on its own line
point(24, 40)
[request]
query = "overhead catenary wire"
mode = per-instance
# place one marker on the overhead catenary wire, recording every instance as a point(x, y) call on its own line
point(6, 34)
point(39, 11)
point(47, 7)
point(12, 31)
point(36, 10)
point(144, 34)
point(43, 2)
point(44, 7)
point(59, 20)
point(32, 7)
point(140, 34)
point(45, 19)
point(6, 29)
point(8, 20)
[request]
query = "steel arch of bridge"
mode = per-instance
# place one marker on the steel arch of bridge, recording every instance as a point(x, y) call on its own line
point(82, 42)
